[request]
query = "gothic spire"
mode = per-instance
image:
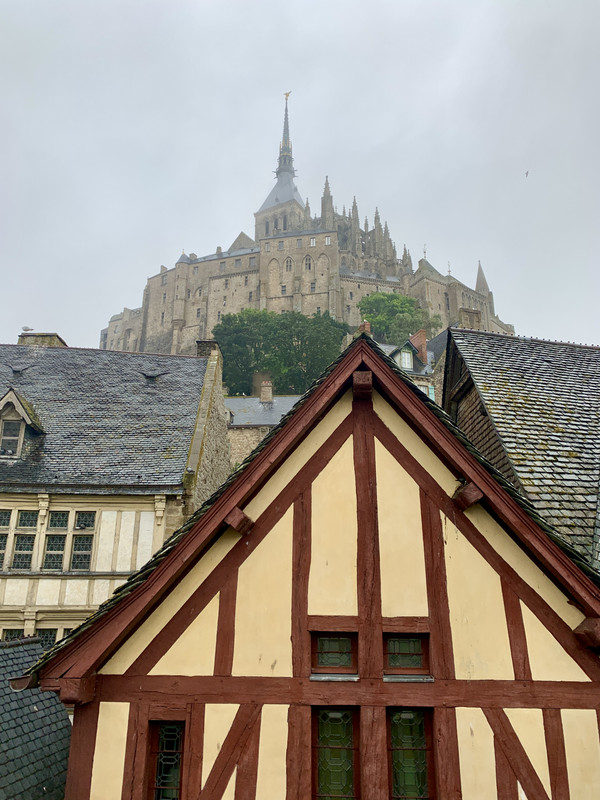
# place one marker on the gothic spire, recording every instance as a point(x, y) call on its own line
point(286, 162)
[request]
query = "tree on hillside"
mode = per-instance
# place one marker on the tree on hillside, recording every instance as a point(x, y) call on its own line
point(292, 348)
point(395, 317)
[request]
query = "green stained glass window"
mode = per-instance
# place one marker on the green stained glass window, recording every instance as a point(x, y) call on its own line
point(405, 653)
point(336, 753)
point(167, 752)
point(81, 557)
point(4, 517)
point(408, 754)
point(334, 651)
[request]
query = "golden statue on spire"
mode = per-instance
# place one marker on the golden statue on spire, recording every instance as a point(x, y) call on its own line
point(286, 95)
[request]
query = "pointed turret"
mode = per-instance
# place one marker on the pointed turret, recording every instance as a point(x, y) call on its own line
point(286, 162)
point(355, 238)
point(327, 207)
point(481, 284)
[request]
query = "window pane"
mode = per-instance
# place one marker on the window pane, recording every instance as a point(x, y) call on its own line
point(47, 636)
point(167, 748)
point(334, 651)
point(85, 519)
point(82, 551)
point(28, 519)
point(3, 540)
point(23, 551)
point(404, 651)
point(4, 518)
point(58, 519)
point(10, 634)
point(335, 753)
point(55, 548)
point(408, 750)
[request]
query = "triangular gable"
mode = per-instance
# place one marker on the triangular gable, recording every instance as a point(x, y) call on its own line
point(314, 477)
point(24, 409)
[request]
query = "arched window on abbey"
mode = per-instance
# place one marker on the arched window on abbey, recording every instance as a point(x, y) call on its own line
point(308, 262)
point(289, 265)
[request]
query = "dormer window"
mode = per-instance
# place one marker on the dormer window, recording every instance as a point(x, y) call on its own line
point(11, 437)
point(15, 415)
point(407, 359)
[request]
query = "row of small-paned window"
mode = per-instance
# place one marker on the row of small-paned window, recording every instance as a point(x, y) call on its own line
point(336, 755)
point(47, 636)
point(74, 549)
point(338, 653)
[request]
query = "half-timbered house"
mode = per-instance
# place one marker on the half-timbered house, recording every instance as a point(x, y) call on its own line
point(365, 610)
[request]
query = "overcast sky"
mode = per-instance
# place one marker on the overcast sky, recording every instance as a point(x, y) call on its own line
point(133, 129)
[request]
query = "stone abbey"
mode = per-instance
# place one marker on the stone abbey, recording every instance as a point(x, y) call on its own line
point(297, 261)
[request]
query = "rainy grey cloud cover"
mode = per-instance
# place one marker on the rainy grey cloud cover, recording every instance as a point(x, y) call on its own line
point(132, 130)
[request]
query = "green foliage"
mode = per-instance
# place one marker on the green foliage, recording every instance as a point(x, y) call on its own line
point(395, 317)
point(292, 348)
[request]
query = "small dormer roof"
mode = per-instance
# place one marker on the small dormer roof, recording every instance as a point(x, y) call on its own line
point(23, 408)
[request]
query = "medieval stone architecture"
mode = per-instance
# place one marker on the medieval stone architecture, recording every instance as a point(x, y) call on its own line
point(297, 261)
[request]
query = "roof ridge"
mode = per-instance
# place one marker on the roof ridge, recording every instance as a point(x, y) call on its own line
point(515, 337)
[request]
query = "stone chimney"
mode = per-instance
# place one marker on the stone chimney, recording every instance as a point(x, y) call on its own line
point(41, 339)
point(266, 392)
point(364, 327)
point(204, 347)
point(419, 339)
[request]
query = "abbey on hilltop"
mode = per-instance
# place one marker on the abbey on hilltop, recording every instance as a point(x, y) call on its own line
point(296, 262)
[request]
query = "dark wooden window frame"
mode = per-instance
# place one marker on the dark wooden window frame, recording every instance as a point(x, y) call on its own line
point(333, 670)
point(424, 669)
point(355, 712)
point(428, 720)
point(153, 752)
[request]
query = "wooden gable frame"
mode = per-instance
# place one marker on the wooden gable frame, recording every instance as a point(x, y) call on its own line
point(71, 670)
point(76, 670)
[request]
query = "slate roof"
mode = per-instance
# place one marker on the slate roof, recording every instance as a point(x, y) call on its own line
point(544, 400)
point(250, 411)
point(283, 191)
point(34, 731)
point(106, 426)
point(139, 577)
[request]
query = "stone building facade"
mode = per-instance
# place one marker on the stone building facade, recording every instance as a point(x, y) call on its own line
point(297, 261)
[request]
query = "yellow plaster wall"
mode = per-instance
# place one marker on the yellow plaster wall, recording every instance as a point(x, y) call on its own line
point(477, 618)
point(528, 724)
point(582, 747)
point(142, 636)
point(194, 652)
point(271, 777)
point(286, 471)
point(218, 718)
point(109, 752)
point(263, 614)
point(476, 755)
point(400, 539)
point(524, 566)
point(415, 445)
point(332, 579)
point(548, 659)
